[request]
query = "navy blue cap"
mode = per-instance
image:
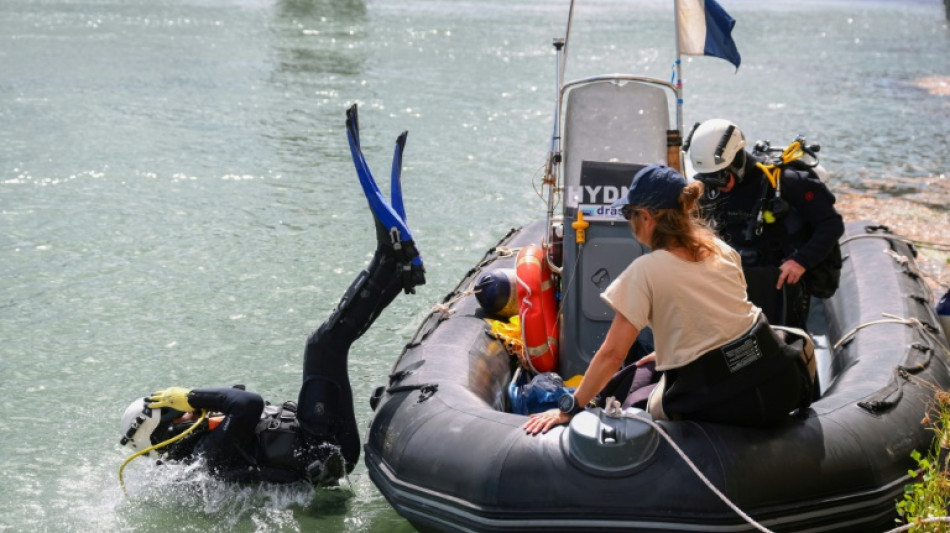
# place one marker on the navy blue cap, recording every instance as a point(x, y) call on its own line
point(654, 187)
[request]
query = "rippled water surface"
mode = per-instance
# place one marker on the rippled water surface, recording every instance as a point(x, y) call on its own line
point(178, 207)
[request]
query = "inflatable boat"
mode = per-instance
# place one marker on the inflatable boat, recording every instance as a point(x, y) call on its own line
point(448, 457)
point(448, 453)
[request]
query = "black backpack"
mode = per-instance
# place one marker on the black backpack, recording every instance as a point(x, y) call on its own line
point(822, 279)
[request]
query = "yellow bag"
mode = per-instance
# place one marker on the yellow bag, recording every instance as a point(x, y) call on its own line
point(509, 333)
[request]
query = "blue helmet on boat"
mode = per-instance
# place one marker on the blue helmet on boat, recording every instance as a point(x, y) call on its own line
point(497, 292)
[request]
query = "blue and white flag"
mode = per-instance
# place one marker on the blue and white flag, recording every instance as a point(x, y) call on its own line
point(705, 29)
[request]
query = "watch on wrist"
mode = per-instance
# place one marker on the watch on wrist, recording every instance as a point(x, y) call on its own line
point(568, 404)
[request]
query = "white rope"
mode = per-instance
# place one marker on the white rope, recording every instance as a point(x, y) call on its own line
point(939, 246)
point(902, 260)
point(501, 252)
point(445, 308)
point(929, 520)
point(891, 319)
point(613, 408)
point(888, 319)
point(886, 236)
point(911, 266)
point(893, 237)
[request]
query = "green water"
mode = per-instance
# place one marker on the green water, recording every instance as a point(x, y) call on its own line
point(178, 207)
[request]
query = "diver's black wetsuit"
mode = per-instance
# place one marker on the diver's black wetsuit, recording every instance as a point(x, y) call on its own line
point(325, 403)
point(306, 440)
point(805, 234)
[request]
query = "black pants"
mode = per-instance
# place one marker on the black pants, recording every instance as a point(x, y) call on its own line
point(786, 307)
point(756, 380)
point(325, 403)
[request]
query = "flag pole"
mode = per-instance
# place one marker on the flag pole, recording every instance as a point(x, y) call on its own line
point(677, 65)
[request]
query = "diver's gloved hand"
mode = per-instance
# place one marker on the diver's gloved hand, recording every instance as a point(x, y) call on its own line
point(174, 397)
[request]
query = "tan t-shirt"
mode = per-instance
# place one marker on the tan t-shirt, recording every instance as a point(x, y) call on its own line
point(692, 307)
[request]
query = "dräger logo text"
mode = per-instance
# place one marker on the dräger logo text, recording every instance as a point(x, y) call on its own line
point(600, 212)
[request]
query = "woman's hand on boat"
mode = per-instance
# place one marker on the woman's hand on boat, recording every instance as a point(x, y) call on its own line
point(542, 422)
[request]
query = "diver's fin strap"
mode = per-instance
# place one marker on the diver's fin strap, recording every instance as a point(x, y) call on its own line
point(411, 272)
point(413, 276)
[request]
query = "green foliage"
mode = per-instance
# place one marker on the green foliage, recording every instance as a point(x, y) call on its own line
point(929, 495)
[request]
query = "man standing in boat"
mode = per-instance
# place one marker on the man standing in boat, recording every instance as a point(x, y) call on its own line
point(314, 439)
point(782, 230)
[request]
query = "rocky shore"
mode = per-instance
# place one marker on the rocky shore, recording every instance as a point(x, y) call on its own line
point(918, 218)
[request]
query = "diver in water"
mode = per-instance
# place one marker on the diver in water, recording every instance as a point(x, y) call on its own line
point(314, 439)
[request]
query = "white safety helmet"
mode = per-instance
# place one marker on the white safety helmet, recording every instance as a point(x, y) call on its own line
point(714, 144)
point(138, 424)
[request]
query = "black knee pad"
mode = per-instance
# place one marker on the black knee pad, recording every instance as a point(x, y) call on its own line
point(319, 405)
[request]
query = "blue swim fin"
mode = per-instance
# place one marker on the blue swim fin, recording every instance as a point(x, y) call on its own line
point(395, 188)
point(391, 217)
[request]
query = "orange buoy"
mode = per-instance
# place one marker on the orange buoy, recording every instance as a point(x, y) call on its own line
point(537, 308)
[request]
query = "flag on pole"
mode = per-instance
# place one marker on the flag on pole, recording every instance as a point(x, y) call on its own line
point(705, 29)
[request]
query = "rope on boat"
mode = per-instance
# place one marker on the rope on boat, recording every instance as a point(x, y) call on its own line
point(889, 319)
point(902, 260)
point(613, 409)
point(922, 521)
point(613, 406)
point(940, 247)
point(445, 308)
point(499, 252)
point(905, 261)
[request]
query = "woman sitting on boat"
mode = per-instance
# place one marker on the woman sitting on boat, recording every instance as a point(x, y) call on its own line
point(720, 360)
point(314, 439)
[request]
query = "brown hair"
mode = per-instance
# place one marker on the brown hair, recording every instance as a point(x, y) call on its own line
point(684, 227)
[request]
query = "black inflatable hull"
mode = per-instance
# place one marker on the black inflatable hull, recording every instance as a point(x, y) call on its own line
point(446, 456)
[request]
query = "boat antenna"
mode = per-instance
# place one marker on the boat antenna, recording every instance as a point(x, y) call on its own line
point(551, 174)
point(677, 66)
point(563, 59)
